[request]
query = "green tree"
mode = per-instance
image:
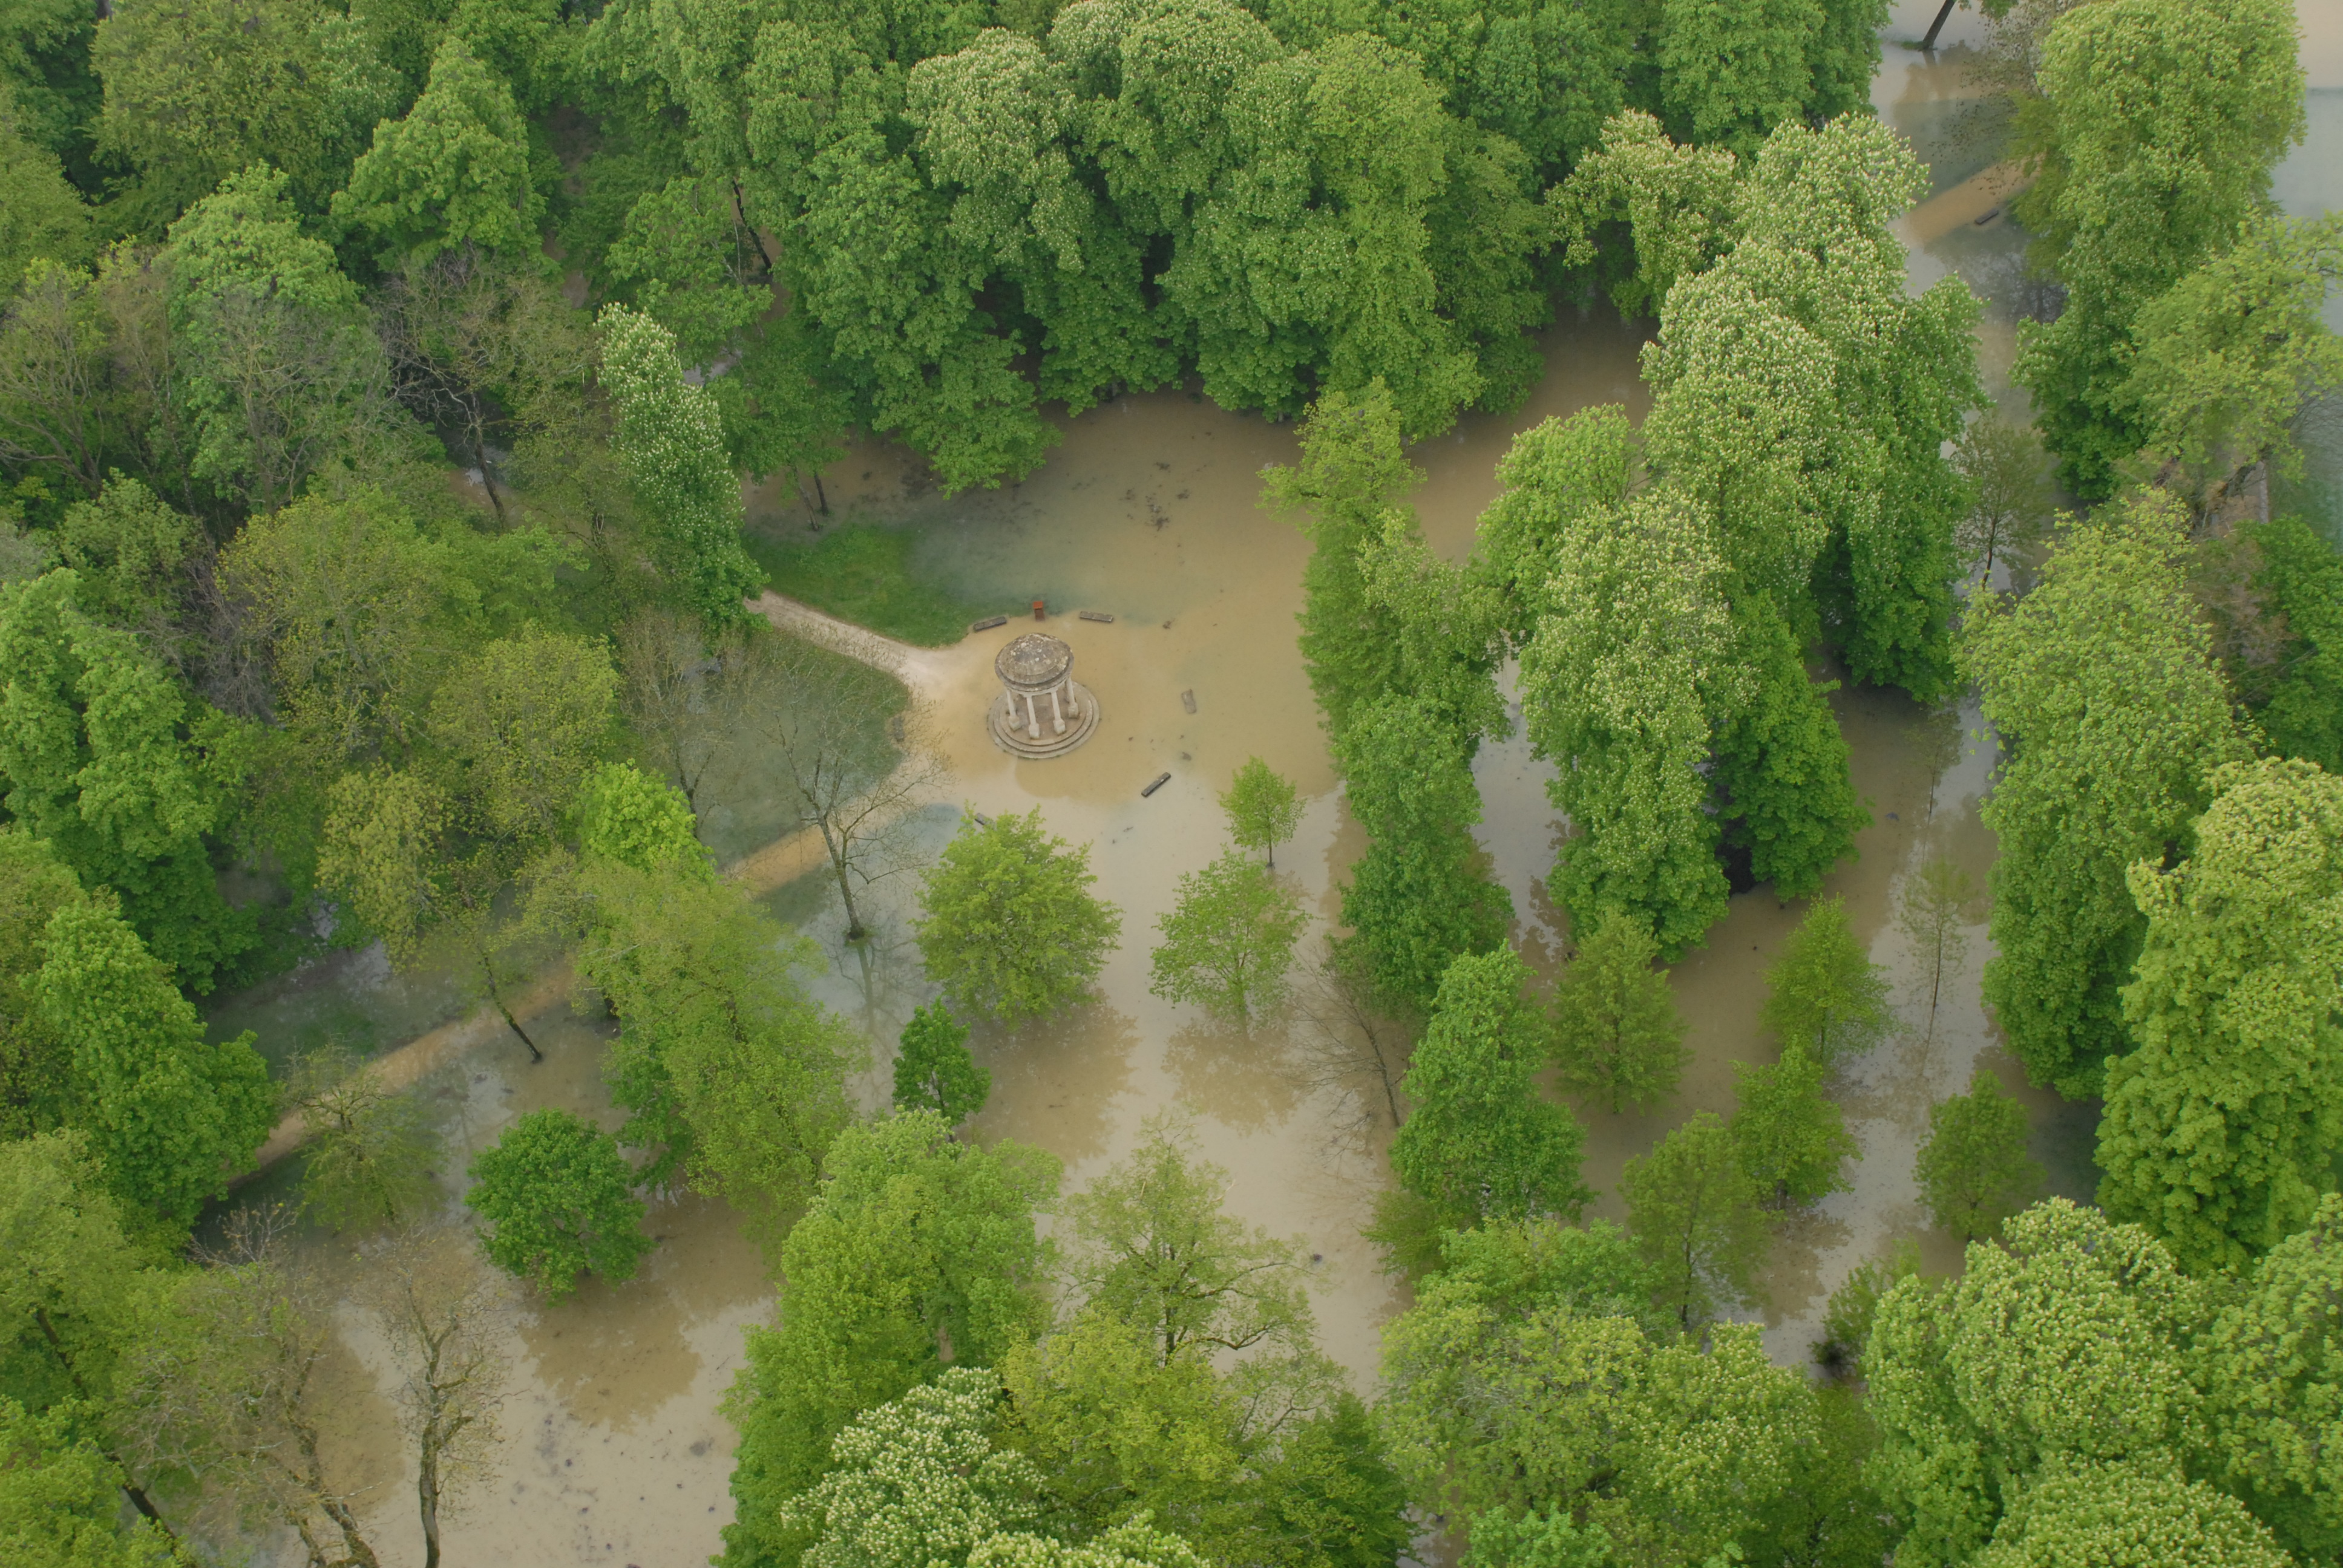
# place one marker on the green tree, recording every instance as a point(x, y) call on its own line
point(519, 723)
point(454, 171)
point(1791, 1137)
point(196, 94)
point(626, 816)
point(2102, 687)
point(1931, 913)
point(35, 1065)
point(1421, 895)
point(1694, 1213)
point(2227, 357)
point(2158, 124)
point(917, 1253)
point(559, 1200)
point(2303, 573)
point(2221, 1124)
point(77, 1301)
point(2273, 1368)
point(1228, 940)
point(1972, 1170)
point(132, 558)
point(934, 1069)
point(1261, 808)
point(1617, 1035)
point(276, 369)
point(733, 1076)
point(1673, 201)
point(102, 755)
point(2068, 1343)
point(2087, 1511)
point(1824, 994)
point(47, 218)
point(1625, 678)
point(1351, 471)
point(670, 436)
point(171, 1114)
point(1010, 928)
point(368, 1150)
point(60, 1501)
point(1482, 1143)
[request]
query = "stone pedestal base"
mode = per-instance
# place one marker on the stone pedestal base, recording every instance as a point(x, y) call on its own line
point(1006, 724)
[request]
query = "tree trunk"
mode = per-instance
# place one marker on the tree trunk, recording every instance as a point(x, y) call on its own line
point(495, 995)
point(426, 1492)
point(1936, 26)
point(820, 493)
point(837, 863)
point(481, 453)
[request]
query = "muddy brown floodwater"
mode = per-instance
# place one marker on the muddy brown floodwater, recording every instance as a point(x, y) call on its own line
point(614, 1450)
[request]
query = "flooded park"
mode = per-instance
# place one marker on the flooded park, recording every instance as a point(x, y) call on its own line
point(1149, 516)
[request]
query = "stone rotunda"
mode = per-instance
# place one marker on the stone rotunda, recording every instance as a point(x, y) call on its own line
point(1042, 710)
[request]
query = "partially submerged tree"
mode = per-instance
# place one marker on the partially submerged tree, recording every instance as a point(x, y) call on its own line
point(1694, 1213)
point(1932, 913)
point(366, 1149)
point(1228, 941)
point(934, 1069)
point(444, 1320)
point(1972, 1170)
point(559, 1199)
point(1824, 992)
point(1261, 808)
point(1791, 1137)
point(2010, 496)
point(1617, 1034)
point(1011, 930)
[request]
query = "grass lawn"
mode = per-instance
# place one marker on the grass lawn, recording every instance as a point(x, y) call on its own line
point(864, 576)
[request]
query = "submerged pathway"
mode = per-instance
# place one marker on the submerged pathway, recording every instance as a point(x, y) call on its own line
point(761, 870)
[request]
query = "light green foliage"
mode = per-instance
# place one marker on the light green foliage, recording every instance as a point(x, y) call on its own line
point(2222, 1123)
point(61, 1499)
point(519, 723)
point(1137, 1544)
point(628, 817)
point(1624, 679)
point(2229, 357)
point(46, 216)
point(129, 551)
point(1731, 74)
point(1261, 808)
point(1824, 994)
point(1010, 928)
point(2101, 685)
point(198, 93)
point(1529, 1397)
point(1694, 1213)
point(2067, 1344)
point(2158, 124)
point(368, 1150)
point(684, 253)
point(2140, 1514)
point(102, 755)
point(1351, 472)
point(670, 436)
point(34, 1061)
point(77, 1296)
point(934, 1071)
point(454, 171)
point(278, 371)
point(1675, 202)
point(1482, 1143)
point(733, 1075)
point(380, 853)
point(1972, 1170)
point(1153, 1249)
point(2275, 1370)
point(559, 1202)
point(917, 1253)
point(917, 1481)
point(1782, 765)
point(1228, 941)
point(2303, 573)
point(1617, 1035)
point(1421, 895)
point(2010, 506)
point(1548, 1539)
point(171, 1114)
point(1791, 1137)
